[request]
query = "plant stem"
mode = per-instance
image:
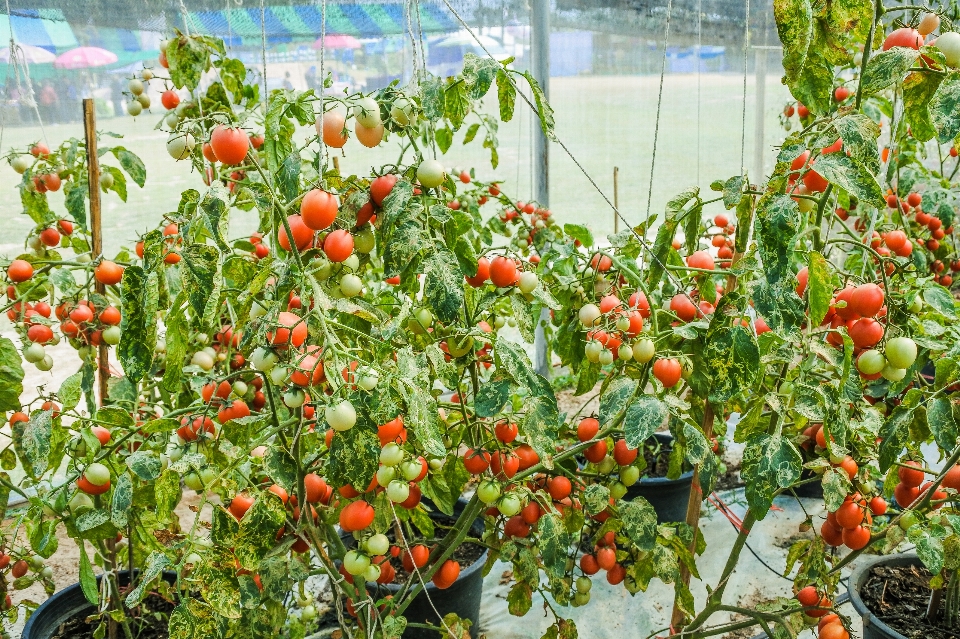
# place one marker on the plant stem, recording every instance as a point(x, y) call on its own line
point(817, 228)
point(867, 49)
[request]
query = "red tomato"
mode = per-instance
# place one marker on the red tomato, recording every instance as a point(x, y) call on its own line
point(483, 273)
point(108, 272)
point(170, 98)
point(624, 455)
point(318, 209)
point(356, 516)
point(338, 245)
point(587, 429)
point(302, 234)
point(447, 575)
point(910, 476)
point(503, 271)
point(229, 144)
point(903, 37)
point(668, 371)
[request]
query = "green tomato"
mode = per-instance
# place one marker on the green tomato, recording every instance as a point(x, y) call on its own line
point(606, 357)
point(80, 503)
point(901, 352)
point(342, 416)
point(192, 481)
point(364, 241)
point(623, 323)
point(208, 475)
point(278, 375)
point(949, 45)
point(377, 544)
point(398, 491)
point(368, 379)
point(355, 562)
point(367, 113)
point(430, 173)
point(606, 465)
point(294, 398)
point(308, 613)
point(240, 388)
point(112, 335)
point(134, 108)
point(584, 584)
point(372, 573)
point(34, 353)
point(350, 285)
point(203, 360)
point(908, 520)
point(21, 163)
point(592, 350)
point(629, 475)
point(509, 505)
point(893, 374)
point(97, 474)
point(386, 474)
point(625, 352)
point(489, 491)
point(589, 314)
point(617, 490)
point(402, 111)
point(528, 282)
point(581, 598)
point(871, 362)
point(411, 469)
point(391, 454)
point(644, 350)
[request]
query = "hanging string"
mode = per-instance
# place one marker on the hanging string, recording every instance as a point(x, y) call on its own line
point(186, 18)
point(323, 82)
point(21, 74)
point(699, 53)
point(743, 121)
point(263, 55)
point(656, 125)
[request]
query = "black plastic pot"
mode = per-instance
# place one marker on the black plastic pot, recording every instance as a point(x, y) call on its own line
point(667, 496)
point(65, 605)
point(462, 598)
point(873, 628)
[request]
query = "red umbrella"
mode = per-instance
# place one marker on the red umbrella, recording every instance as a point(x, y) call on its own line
point(338, 41)
point(84, 58)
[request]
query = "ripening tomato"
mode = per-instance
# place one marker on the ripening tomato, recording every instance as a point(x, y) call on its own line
point(866, 300)
point(338, 245)
point(905, 495)
point(503, 272)
point(597, 452)
point(291, 329)
point(623, 454)
point(832, 535)
point(229, 144)
point(483, 273)
point(50, 236)
point(504, 465)
point(169, 99)
point(506, 432)
point(447, 575)
point(108, 272)
point(356, 516)
point(866, 332)
point(476, 461)
point(559, 487)
point(587, 429)
point(638, 300)
point(903, 37)
point(527, 456)
point(683, 306)
point(856, 538)
point(110, 316)
point(240, 504)
point(911, 476)
point(302, 234)
point(668, 371)
point(702, 260)
point(589, 565)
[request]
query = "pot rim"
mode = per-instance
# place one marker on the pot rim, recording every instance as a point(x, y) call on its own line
point(860, 575)
point(56, 599)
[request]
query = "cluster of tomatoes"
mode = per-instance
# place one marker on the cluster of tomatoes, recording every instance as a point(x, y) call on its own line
point(912, 485)
point(171, 242)
point(818, 606)
point(512, 216)
point(611, 323)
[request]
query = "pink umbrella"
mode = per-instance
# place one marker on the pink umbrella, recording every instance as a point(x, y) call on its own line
point(338, 41)
point(84, 58)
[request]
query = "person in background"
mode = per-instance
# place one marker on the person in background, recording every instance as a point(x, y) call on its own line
point(311, 77)
point(287, 82)
point(48, 101)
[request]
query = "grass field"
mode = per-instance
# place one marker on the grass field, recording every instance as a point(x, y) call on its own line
point(605, 121)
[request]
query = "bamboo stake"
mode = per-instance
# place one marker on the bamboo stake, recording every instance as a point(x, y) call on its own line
point(96, 228)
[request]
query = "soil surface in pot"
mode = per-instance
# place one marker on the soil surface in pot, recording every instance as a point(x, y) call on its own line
point(151, 622)
point(898, 596)
point(466, 554)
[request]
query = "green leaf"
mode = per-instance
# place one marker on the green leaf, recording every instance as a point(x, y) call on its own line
point(814, 87)
point(194, 619)
point(75, 197)
point(456, 104)
point(554, 544)
point(443, 286)
point(280, 467)
point(506, 95)
point(769, 463)
point(176, 339)
point(886, 68)
point(471, 133)
point(36, 206)
point(639, 522)
point(132, 164)
point(733, 191)
point(940, 299)
point(541, 426)
point(644, 416)
point(216, 207)
point(859, 134)
point(198, 269)
point(444, 138)
point(88, 581)
point(580, 233)
point(145, 464)
point(258, 530)
point(777, 225)
point(944, 108)
point(894, 436)
point(139, 296)
point(821, 282)
point(11, 376)
point(795, 28)
point(942, 423)
point(31, 440)
point(122, 501)
point(615, 398)
point(432, 98)
point(851, 177)
point(421, 418)
point(664, 242)
point(544, 110)
point(918, 90)
point(491, 398)
point(70, 391)
point(354, 458)
point(733, 362)
point(155, 564)
point(187, 58)
point(167, 494)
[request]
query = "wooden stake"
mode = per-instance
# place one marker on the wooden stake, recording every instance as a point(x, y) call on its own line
point(96, 227)
point(616, 199)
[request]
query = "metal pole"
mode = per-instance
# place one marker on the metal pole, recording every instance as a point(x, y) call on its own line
point(541, 72)
point(760, 89)
point(96, 227)
point(541, 153)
